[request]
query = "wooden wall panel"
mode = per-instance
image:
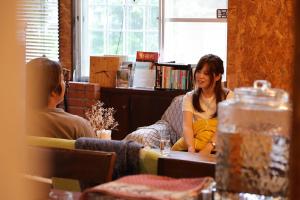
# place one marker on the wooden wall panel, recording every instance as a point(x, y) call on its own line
point(295, 139)
point(260, 42)
point(65, 33)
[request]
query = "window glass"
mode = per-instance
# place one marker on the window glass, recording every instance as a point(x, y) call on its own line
point(115, 43)
point(135, 41)
point(187, 42)
point(96, 42)
point(97, 18)
point(154, 2)
point(151, 41)
point(194, 8)
point(115, 17)
point(152, 19)
point(136, 17)
point(137, 2)
point(123, 27)
point(119, 27)
point(97, 2)
point(118, 2)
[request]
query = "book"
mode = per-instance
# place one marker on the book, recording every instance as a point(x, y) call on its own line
point(143, 75)
point(147, 56)
point(173, 76)
point(143, 78)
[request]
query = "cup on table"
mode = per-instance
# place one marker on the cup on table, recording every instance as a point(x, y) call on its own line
point(164, 145)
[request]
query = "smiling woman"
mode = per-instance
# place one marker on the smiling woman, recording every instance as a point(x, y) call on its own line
point(200, 106)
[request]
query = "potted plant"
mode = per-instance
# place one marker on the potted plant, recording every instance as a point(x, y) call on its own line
point(101, 120)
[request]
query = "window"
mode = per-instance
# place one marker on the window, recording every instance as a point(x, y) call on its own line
point(40, 21)
point(118, 27)
point(191, 30)
point(185, 32)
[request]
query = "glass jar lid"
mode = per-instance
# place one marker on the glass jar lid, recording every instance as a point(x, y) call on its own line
point(262, 93)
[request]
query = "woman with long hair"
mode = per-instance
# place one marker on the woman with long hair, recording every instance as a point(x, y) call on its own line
point(200, 106)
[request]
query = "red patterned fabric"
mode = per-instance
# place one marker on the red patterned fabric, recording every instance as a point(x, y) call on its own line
point(152, 187)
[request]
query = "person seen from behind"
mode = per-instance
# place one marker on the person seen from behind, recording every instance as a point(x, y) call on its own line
point(45, 91)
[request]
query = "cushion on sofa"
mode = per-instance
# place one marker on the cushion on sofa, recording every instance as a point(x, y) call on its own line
point(169, 125)
point(173, 115)
point(150, 135)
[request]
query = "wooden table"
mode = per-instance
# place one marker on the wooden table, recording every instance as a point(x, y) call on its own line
point(186, 165)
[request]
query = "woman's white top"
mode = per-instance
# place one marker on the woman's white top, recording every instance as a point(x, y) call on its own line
point(207, 104)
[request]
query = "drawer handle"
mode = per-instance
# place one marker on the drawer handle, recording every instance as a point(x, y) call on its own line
point(124, 106)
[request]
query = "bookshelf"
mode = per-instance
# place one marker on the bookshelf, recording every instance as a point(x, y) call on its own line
point(171, 76)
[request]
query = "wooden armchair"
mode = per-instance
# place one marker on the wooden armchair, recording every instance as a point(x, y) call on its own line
point(90, 168)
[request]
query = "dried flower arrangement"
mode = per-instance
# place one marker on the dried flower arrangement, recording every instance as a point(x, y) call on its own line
point(101, 118)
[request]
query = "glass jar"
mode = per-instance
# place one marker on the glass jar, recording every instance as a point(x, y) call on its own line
point(253, 142)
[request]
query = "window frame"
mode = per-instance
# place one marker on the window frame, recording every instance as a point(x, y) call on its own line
point(162, 20)
point(78, 37)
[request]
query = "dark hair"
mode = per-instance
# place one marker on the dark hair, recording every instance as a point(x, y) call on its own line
point(215, 67)
point(43, 78)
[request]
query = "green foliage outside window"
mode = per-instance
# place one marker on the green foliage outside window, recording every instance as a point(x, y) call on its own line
point(123, 27)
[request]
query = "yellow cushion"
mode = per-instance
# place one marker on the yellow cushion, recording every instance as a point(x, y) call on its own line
point(50, 142)
point(180, 145)
point(204, 130)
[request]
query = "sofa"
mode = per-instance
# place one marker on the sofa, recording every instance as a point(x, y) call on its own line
point(170, 124)
point(148, 158)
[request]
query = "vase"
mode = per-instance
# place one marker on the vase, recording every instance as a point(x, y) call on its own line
point(104, 134)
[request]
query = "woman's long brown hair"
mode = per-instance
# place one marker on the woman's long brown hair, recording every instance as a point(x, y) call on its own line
point(215, 68)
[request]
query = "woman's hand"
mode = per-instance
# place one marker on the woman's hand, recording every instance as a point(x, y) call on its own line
point(191, 149)
point(207, 149)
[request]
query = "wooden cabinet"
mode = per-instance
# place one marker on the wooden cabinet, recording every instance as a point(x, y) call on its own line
point(136, 107)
